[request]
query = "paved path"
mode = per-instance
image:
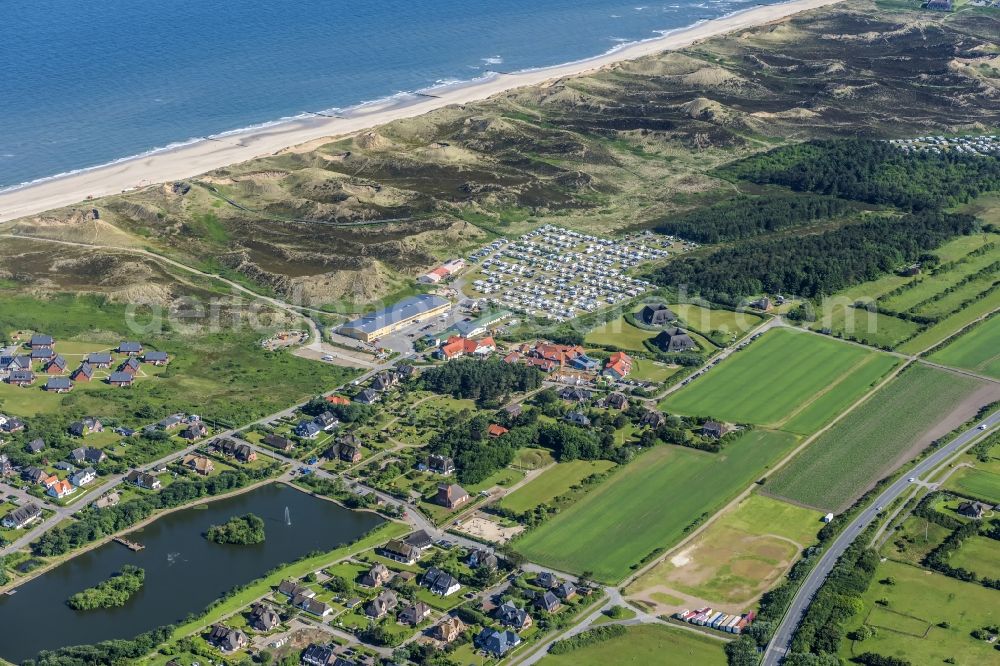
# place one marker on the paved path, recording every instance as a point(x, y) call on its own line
point(780, 644)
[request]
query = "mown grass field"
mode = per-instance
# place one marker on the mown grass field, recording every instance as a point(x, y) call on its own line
point(872, 328)
point(708, 320)
point(644, 645)
point(626, 518)
point(921, 599)
point(976, 482)
point(644, 369)
point(552, 483)
point(978, 349)
point(619, 333)
point(787, 379)
point(979, 554)
point(941, 331)
point(871, 440)
point(739, 556)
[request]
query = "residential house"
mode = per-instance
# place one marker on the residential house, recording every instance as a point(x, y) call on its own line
point(481, 558)
point(496, 430)
point(86, 426)
point(546, 580)
point(56, 365)
point(578, 418)
point(307, 429)
point(440, 582)
point(131, 366)
point(440, 464)
point(84, 373)
point(382, 605)
point(616, 401)
point(41, 341)
point(58, 385)
point(510, 615)
point(311, 605)
point(49, 480)
point(347, 448)
point(36, 445)
point(514, 410)
point(377, 576)
point(497, 643)
point(451, 495)
point(972, 509)
point(5, 465)
point(194, 431)
point(171, 422)
point(21, 517)
point(400, 551)
point(156, 358)
point(653, 418)
point(713, 429)
point(367, 397)
point(15, 363)
point(674, 340)
point(762, 303)
point(457, 346)
point(87, 455)
point(291, 589)
point(100, 360)
point(61, 488)
point(83, 477)
point(420, 540)
point(559, 355)
point(384, 381)
point(233, 449)
point(43, 354)
point(548, 602)
point(414, 614)
point(226, 639)
point(448, 630)
point(566, 591)
point(10, 424)
point(143, 480)
point(574, 394)
point(21, 378)
point(263, 617)
point(130, 348)
point(338, 400)
point(121, 379)
point(407, 371)
point(618, 366)
point(65, 466)
point(326, 420)
point(656, 314)
point(33, 475)
point(109, 500)
point(281, 443)
point(199, 464)
point(317, 655)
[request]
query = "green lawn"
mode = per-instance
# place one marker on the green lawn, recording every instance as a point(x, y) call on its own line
point(644, 369)
point(920, 599)
point(862, 447)
point(717, 323)
point(976, 482)
point(649, 505)
point(787, 379)
point(552, 483)
point(979, 554)
point(872, 328)
point(940, 331)
point(645, 645)
point(978, 349)
point(619, 333)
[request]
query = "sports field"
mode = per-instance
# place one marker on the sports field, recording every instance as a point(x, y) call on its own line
point(977, 350)
point(874, 438)
point(737, 558)
point(646, 644)
point(917, 602)
point(552, 483)
point(647, 505)
point(787, 379)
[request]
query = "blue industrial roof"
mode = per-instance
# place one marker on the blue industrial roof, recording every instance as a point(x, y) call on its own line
point(404, 309)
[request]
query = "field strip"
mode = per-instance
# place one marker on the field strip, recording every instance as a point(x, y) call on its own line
point(829, 387)
point(960, 371)
point(775, 468)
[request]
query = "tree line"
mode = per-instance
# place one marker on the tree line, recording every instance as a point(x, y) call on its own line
point(746, 216)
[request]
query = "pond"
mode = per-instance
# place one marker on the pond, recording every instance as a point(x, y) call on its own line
point(184, 571)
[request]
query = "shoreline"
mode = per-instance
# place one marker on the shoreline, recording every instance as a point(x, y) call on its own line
point(196, 156)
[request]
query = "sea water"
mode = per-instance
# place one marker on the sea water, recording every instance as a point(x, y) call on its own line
point(86, 83)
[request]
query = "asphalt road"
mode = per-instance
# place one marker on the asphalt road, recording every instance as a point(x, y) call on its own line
point(780, 644)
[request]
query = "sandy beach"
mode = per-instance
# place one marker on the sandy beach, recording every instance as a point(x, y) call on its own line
point(195, 158)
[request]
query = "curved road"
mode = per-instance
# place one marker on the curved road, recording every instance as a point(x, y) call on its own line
point(780, 644)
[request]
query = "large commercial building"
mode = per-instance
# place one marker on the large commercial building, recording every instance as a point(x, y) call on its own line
point(400, 315)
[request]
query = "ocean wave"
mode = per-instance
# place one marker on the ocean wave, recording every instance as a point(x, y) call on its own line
point(493, 60)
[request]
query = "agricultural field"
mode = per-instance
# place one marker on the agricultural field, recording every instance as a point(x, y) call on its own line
point(646, 644)
point(894, 424)
point(742, 554)
point(552, 483)
point(979, 483)
point(977, 349)
point(787, 379)
point(908, 626)
point(952, 324)
point(871, 328)
point(622, 521)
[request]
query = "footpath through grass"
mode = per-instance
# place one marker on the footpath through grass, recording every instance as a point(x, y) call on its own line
point(644, 645)
point(788, 379)
point(649, 505)
point(874, 438)
point(552, 483)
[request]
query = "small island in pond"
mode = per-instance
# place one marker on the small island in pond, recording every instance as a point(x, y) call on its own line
point(242, 530)
point(110, 593)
